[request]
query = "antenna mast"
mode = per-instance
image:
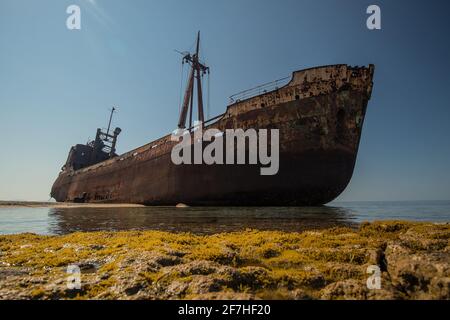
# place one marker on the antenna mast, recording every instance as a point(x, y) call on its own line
point(110, 119)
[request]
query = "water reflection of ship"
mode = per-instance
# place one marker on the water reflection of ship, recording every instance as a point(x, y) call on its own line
point(200, 220)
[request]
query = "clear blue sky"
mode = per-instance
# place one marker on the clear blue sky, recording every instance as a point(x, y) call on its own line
point(56, 85)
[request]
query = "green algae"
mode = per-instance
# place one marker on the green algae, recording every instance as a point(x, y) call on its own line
point(159, 265)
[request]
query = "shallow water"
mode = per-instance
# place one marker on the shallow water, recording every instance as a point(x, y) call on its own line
point(215, 219)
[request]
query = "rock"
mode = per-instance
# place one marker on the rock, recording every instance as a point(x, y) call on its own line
point(205, 284)
point(421, 275)
point(439, 288)
point(176, 253)
point(330, 264)
point(375, 257)
point(13, 272)
point(348, 290)
point(177, 288)
point(271, 253)
point(166, 260)
point(225, 296)
point(299, 294)
point(201, 267)
point(130, 291)
point(88, 267)
point(96, 247)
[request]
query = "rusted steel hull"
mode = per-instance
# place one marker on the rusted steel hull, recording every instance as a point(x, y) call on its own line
point(319, 114)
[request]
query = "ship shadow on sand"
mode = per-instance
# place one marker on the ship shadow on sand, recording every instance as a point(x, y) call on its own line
point(199, 220)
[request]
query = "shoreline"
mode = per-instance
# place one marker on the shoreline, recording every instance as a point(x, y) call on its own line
point(413, 257)
point(59, 205)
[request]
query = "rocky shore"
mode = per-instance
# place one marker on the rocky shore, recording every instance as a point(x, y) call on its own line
point(414, 260)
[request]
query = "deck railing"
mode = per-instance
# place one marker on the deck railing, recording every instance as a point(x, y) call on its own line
point(261, 89)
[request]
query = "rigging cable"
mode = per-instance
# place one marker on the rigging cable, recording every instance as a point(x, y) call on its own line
point(181, 87)
point(208, 97)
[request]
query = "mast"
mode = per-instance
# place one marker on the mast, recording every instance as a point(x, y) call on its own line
point(199, 84)
point(110, 119)
point(197, 71)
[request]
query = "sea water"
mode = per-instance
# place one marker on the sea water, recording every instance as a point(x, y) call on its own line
point(209, 220)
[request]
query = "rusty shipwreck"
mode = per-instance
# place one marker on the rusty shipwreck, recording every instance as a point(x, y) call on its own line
point(319, 113)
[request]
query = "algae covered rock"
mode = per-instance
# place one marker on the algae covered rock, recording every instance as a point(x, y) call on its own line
point(413, 260)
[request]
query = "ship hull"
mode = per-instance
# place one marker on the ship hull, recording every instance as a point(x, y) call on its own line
point(319, 139)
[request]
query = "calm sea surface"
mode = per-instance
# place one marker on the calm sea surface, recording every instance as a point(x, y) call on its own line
point(213, 220)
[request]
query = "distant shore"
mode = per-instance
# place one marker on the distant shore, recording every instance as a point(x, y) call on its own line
point(413, 261)
point(38, 204)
